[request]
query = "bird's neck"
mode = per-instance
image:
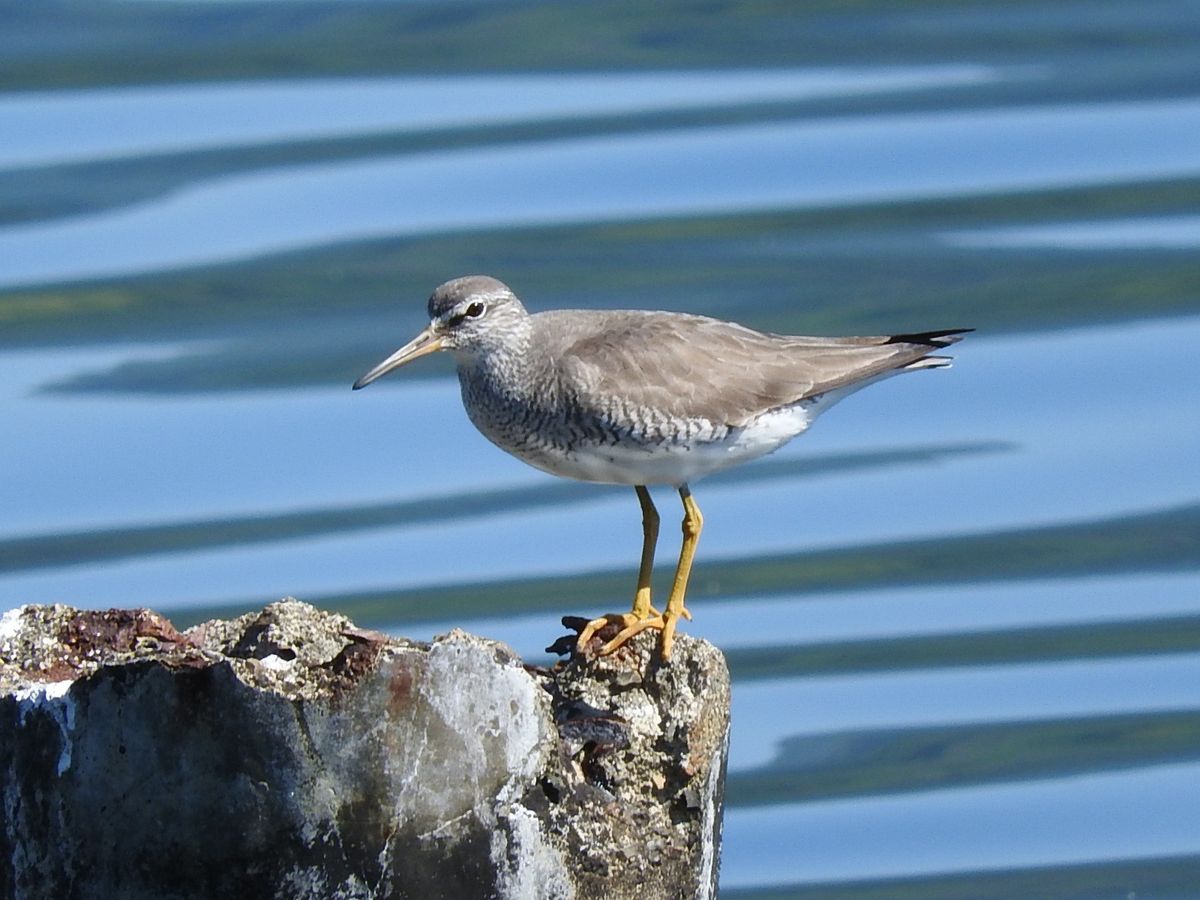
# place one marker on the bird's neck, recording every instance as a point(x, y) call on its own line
point(505, 369)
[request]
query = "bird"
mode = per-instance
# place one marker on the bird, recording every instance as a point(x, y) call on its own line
point(641, 398)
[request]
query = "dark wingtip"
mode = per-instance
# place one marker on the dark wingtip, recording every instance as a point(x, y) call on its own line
point(943, 338)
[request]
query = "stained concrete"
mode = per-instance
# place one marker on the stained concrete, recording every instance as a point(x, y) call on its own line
point(290, 754)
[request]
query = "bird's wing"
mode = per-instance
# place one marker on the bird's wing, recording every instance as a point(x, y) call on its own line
point(697, 367)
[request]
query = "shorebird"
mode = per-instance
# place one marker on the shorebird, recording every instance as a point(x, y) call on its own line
point(642, 398)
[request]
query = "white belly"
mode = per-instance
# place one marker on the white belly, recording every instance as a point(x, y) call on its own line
point(674, 463)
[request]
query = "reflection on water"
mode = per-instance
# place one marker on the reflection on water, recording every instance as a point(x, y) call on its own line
point(959, 695)
point(81, 125)
point(1161, 232)
point(963, 614)
point(1110, 816)
point(676, 172)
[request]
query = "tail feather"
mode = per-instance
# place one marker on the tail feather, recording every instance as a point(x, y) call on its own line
point(938, 339)
point(928, 362)
point(843, 365)
point(933, 340)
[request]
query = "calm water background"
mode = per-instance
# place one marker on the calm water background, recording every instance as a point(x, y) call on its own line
point(963, 614)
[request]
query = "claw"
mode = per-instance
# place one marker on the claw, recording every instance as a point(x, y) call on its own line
point(625, 620)
point(631, 626)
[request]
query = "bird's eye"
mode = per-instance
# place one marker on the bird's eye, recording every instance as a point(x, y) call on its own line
point(473, 311)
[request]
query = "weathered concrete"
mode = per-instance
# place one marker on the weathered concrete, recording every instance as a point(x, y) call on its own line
point(289, 754)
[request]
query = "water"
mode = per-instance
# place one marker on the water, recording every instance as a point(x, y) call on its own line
point(617, 177)
point(972, 828)
point(963, 614)
point(72, 126)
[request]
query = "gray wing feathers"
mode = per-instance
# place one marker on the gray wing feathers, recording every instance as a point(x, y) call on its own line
point(697, 367)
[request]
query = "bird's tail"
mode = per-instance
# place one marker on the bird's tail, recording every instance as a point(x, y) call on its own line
point(934, 340)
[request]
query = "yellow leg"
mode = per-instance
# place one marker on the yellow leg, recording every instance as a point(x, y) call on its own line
point(693, 523)
point(641, 598)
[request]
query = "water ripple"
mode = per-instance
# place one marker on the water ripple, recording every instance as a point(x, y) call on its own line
point(669, 173)
point(49, 127)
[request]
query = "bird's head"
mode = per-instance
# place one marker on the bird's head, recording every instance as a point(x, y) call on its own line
point(470, 316)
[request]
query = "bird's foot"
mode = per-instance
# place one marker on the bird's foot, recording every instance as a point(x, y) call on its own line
point(621, 621)
point(630, 624)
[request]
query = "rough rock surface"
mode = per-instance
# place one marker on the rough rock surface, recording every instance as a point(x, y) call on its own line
point(288, 753)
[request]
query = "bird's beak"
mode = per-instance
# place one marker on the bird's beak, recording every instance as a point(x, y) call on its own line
point(422, 345)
